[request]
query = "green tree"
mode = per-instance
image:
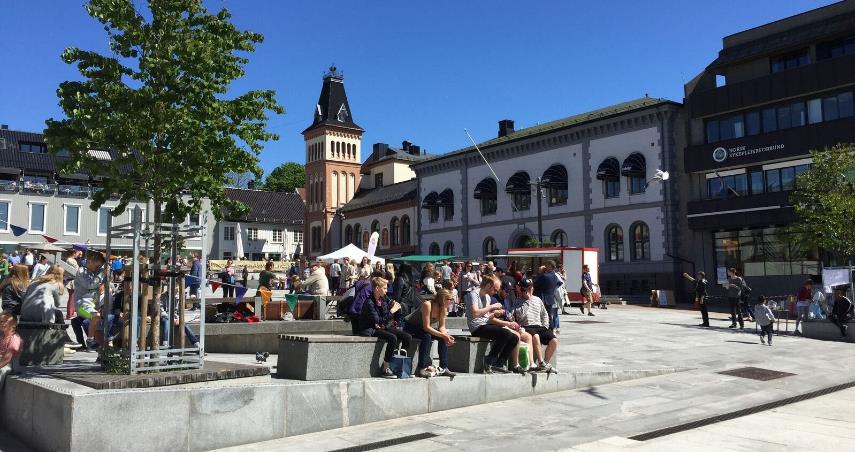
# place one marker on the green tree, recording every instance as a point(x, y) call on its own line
point(286, 177)
point(824, 200)
point(160, 103)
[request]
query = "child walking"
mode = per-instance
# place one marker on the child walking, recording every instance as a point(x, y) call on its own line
point(764, 318)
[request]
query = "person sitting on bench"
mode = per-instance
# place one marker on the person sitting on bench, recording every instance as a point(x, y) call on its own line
point(480, 308)
point(428, 324)
point(374, 321)
point(532, 315)
point(841, 313)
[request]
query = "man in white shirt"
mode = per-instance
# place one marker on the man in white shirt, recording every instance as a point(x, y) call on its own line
point(335, 276)
point(29, 260)
point(41, 268)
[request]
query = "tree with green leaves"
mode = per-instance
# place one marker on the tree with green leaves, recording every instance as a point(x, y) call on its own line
point(160, 104)
point(286, 177)
point(824, 200)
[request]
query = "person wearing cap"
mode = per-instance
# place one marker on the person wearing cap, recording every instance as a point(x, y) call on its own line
point(480, 309)
point(533, 317)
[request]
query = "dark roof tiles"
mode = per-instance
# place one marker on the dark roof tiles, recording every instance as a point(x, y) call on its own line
point(378, 196)
point(268, 206)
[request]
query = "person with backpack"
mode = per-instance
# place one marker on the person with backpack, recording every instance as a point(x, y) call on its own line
point(374, 319)
point(362, 291)
point(734, 287)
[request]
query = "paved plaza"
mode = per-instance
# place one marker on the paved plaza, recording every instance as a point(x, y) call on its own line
point(600, 418)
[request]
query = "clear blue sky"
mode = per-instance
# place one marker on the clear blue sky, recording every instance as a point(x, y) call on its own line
point(420, 71)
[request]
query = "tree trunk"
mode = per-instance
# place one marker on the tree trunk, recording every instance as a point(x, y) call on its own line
point(158, 240)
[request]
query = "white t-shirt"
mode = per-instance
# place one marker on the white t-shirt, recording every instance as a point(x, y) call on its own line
point(335, 270)
point(480, 302)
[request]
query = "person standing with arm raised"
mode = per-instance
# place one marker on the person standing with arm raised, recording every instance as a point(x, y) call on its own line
point(700, 294)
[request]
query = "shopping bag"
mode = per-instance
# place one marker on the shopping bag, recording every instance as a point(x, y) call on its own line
point(523, 357)
point(401, 364)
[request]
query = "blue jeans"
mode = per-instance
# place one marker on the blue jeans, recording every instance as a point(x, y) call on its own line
point(554, 319)
point(425, 345)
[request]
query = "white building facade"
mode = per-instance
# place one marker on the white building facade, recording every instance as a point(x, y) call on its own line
point(593, 168)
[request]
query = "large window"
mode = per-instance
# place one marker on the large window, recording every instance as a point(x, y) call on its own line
point(298, 236)
point(252, 233)
point(433, 250)
point(614, 243)
point(489, 247)
point(4, 216)
point(33, 148)
point(446, 201)
point(316, 238)
point(727, 186)
point(783, 179)
point(348, 234)
point(448, 248)
point(72, 219)
point(357, 235)
point(37, 217)
point(431, 203)
point(785, 116)
point(229, 233)
point(609, 172)
point(790, 61)
point(555, 181)
point(559, 238)
point(405, 230)
point(384, 238)
point(640, 241)
point(519, 187)
point(834, 49)
point(485, 192)
point(103, 219)
point(277, 236)
point(765, 252)
point(394, 232)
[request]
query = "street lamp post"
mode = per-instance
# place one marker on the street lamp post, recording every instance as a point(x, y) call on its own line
point(538, 183)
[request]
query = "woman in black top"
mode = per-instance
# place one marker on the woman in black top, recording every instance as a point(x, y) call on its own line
point(700, 295)
point(374, 321)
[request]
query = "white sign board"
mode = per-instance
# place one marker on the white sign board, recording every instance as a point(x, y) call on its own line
point(721, 275)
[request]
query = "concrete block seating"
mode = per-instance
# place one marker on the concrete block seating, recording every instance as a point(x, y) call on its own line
point(42, 343)
point(467, 354)
point(331, 356)
point(825, 330)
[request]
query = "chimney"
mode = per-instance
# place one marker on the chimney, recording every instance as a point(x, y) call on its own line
point(415, 150)
point(506, 127)
point(379, 150)
point(251, 184)
point(4, 126)
point(405, 145)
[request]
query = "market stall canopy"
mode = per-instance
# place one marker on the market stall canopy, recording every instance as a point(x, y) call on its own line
point(422, 258)
point(353, 252)
point(45, 246)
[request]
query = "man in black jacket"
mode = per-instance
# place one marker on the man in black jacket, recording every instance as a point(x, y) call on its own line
point(842, 310)
point(700, 295)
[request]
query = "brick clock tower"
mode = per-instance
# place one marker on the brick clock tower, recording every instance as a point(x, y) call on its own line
point(333, 160)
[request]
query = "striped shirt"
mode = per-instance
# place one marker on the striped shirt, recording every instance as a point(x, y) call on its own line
point(532, 312)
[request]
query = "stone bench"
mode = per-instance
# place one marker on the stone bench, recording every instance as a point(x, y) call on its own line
point(467, 354)
point(42, 344)
point(825, 330)
point(314, 357)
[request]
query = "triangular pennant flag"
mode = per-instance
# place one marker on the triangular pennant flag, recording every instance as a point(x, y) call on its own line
point(266, 294)
point(17, 230)
point(239, 292)
point(292, 302)
point(215, 285)
point(80, 246)
point(50, 239)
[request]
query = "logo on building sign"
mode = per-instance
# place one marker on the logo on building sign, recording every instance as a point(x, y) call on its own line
point(719, 154)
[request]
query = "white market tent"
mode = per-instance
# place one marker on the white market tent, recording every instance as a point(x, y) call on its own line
point(353, 252)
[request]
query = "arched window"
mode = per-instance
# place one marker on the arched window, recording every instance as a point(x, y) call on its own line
point(446, 201)
point(366, 237)
point(489, 247)
point(609, 173)
point(522, 241)
point(334, 189)
point(448, 248)
point(431, 203)
point(520, 190)
point(405, 230)
point(375, 226)
point(434, 249)
point(555, 181)
point(614, 243)
point(640, 235)
point(559, 238)
point(357, 235)
point(348, 234)
point(384, 238)
point(635, 168)
point(394, 232)
point(485, 191)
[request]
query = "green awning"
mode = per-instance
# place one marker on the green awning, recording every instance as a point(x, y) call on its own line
point(421, 258)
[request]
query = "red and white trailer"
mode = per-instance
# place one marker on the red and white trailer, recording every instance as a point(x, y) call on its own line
point(573, 259)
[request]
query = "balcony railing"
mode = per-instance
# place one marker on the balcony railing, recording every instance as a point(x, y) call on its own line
point(77, 191)
point(8, 185)
point(38, 187)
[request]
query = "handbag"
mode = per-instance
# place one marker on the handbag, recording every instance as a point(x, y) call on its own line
point(401, 364)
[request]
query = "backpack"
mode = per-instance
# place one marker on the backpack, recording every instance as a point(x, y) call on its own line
point(745, 292)
point(343, 307)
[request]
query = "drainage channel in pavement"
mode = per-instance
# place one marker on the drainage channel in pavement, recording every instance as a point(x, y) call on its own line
point(388, 442)
point(740, 413)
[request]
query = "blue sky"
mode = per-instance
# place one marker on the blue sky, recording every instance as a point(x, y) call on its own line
point(417, 71)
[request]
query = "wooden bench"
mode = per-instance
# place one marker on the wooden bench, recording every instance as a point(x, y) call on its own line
point(313, 357)
point(42, 344)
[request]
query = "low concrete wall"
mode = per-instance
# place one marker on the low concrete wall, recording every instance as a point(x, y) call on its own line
point(264, 336)
point(827, 331)
point(56, 415)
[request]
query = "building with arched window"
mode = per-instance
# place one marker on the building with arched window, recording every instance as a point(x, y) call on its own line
point(592, 170)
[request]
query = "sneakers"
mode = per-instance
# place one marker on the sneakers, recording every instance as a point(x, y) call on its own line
point(424, 373)
point(763, 340)
point(440, 372)
point(591, 314)
point(487, 365)
point(387, 373)
point(91, 345)
point(519, 370)
point(732, 326)
point(499, 369)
